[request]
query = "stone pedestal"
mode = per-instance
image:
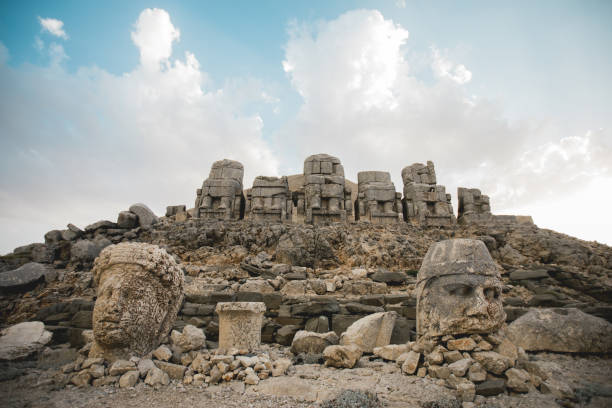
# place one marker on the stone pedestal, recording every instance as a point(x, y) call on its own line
point(240, 324)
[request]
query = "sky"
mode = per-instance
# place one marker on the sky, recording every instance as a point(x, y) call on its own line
point(105, 104)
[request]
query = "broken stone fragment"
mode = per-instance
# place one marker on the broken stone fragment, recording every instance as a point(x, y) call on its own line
point(411, 362)
point(156, 377)
point(192, 338)
point(23, 339)
point(128, 379)
point(311, 342)
point(371, 331)
point(342, 356)
point(492, 361)
point(146, 217)
point(518, 379)
point(392, 351)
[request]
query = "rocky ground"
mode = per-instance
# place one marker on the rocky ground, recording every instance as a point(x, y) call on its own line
point(310, 385)
point(318, 278)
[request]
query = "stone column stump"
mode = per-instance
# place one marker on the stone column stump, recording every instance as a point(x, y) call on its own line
point(240, 324)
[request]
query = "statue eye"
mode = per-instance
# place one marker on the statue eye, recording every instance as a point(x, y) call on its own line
point(491, 293)
point(459, 290)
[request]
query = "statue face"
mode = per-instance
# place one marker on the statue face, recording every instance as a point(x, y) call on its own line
point(457, 304)
point(131, 308)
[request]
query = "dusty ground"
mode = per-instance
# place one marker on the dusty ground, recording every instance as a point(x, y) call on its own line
point(308, 385)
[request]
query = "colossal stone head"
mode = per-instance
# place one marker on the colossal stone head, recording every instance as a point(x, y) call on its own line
point(140, 290)
point(458, 290)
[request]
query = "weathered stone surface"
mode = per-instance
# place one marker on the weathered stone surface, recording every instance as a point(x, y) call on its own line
point(23, 278)
point(311, 342)
point(566, 330)
point(221, 194)
point(269, 200)
point(100, 224)
point(377, 201)
point(285, 334)
point(492, 361)
point(128, 379)
point(175, 209)
point(518, 379)
point(127, 220)
point(191, 338)
point(162, 353)
point(23, 339)
point(460, 367)
point(157, 377)
point(139, 281)
point(390, 278)
point(411, 362)
point(81, 379)
point(240, 325)
point(491, 387)
point(144, 366)
point(341, 356)
point(477, 373)
point(86, 250)
point(318, 324)
point(371, 331)
point(146, 217)
point(392, 351)
point(463, 344)
point(424, 202)
point(458, 290)
point(120, 367)
point(174, 371)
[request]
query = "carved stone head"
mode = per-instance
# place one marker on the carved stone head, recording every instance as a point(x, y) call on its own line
point(458, 290)
point(140, 290)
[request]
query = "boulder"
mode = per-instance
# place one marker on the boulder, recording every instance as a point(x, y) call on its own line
point(342, 356)
point(392, 351)
point(192, 338)
point(127, 220)
point(146, 217)
point(128, 379)
point(371, 331)
point(157, 377)
point(311, 342)
point(23, 278)
point(23, 339)
point(86, 250)
point(565, 330)
point(390, 278)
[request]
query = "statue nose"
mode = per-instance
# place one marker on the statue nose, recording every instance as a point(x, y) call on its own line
point(479, 305)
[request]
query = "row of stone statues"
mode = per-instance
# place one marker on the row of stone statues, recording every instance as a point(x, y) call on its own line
point(325, 196)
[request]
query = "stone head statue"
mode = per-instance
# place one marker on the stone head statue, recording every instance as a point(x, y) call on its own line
point(458, 290)
point(140, 290)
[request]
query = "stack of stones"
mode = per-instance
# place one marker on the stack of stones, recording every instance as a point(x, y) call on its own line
point(474, 364)
point(221, 194)
point(474, 206)
point(184, 359)
point(377, 201)
point(326, 197)
point(425, 203)
point(269, 200)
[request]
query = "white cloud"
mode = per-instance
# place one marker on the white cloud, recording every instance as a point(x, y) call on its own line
point(154, 36)
point(400, 3)
point(444, 68)
point(79, 147)
point(53, 26)
point(374, 113)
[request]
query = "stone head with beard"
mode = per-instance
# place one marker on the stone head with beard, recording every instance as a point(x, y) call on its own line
point(139, 293)
point(458, 290)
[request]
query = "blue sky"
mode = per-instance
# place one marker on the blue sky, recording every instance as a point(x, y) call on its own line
point(510, 97)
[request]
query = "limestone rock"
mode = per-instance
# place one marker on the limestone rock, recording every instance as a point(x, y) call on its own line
point(411, 362)
point(566, 330)
point(311, 342)
point(371, 331)
point(120, 367)
point(157, 377)
point(342, 356)
point(518, 379)
point(392, 351)
point(240, 325)
point(492, 361)
point(128, 379)
point(86, 250)
point(174, 371)
point(21, 340)
point(162, 353)
point(191, 338)
point(280, 367)
point(127, 220)
point(459, 368)
point(146, 217)
point(22, 278)
point(144, 366)
point(81, 379)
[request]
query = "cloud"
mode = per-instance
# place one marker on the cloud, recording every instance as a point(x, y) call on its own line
point(154, 36)
point(53, 26)
point(400, 3)
point(444, 68)
point(79, 147)
point(365, 103)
